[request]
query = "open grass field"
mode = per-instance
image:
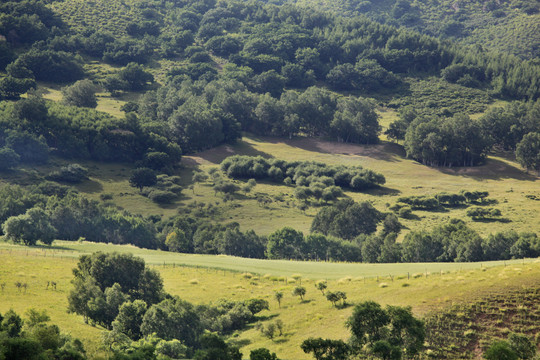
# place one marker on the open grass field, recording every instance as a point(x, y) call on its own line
point(457, 283)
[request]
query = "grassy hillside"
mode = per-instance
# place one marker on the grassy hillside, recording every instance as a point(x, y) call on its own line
point(500, 176)
point(313, 317)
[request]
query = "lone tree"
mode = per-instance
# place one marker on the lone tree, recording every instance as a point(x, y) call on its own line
point(321, 286)
point(278, 295)
point(300, 291)
point(142, 177)
point(81, 94)
point(528, 151)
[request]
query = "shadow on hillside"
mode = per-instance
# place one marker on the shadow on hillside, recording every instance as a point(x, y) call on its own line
point(382, 191)
point(90, 186)
point(492, 220)
point(384, 151)
point(49, 247)
point(218, 154)
point(493, 169)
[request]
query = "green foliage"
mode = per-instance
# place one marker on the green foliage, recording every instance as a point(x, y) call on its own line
point(103, 282)
point(500, 350)
point(386, 331)
point(142, 177)
point(30, 148)
point(48, 65)
point(173, 319)
point(8, 159)
point(135, 77)
point(303, 173)
point(81, 94)
point(39, 340)
point(483, 213)
point(299, 291)
point(528, 151)
point(326, 349)
point(455, 141)
point(284, 244)
point(262, 354)
point(29, 228)
point(346, 219)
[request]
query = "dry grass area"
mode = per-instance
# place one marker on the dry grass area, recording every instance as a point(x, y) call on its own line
point(315, 316)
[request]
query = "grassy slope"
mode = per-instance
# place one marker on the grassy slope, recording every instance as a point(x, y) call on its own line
point(314, 317)
point(501, 176)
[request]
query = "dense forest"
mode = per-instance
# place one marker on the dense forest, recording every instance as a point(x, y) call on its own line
point(269, 69)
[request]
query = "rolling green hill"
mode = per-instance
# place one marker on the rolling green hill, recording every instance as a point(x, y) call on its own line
point(457, 284)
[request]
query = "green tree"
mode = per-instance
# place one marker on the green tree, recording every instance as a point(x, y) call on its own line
point(173, 319)
point(278, 295)
point(29, 147)
point(346, 219)
point(142, 177)
point(11, 323)
point(285, 243)
point(8, 159)
point(321, 286)
point(326, 349)
point(355, 120)
point(528, 151)
point(129, 318)
point(300, 291)
point(262, 354)
point(386, 332)
point(135, 76)
point(500, 350)
point(522, 346)
point(81, 94)
point(30, 227)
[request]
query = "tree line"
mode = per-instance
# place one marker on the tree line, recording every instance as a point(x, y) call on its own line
point(33, 128)
point(457, 140)
point(345, 231)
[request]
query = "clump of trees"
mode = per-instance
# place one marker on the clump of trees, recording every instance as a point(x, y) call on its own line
point(35, 338)
point(32, 127)
point(347, 219)
point(384, 333)
point(455, 141)
point(457, 242)
point(118, 292)
point(306, 175)
point(51, 211)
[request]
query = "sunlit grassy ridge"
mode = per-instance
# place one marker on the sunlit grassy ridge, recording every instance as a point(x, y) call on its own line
point(314, 317)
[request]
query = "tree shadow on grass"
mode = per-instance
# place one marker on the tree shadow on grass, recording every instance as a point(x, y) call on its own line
point(501, 220)
point(493, 169)
point(266, 317)
point(385, 151)
point(218, 154)
point(382, 191)
point(239, 342)
point(90, 187)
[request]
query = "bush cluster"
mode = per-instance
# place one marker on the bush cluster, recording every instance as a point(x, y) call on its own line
point(308, 174)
